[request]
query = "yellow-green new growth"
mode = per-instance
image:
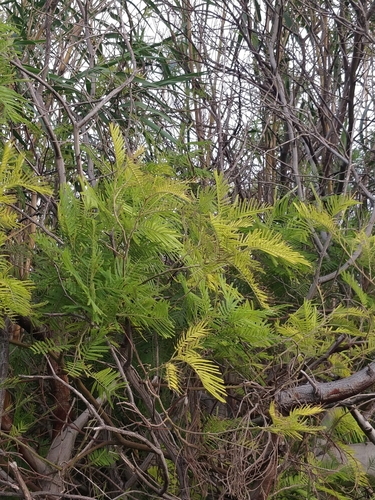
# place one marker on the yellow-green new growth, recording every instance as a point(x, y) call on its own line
point(15, 295)
point(187, 352)
point(294, 424)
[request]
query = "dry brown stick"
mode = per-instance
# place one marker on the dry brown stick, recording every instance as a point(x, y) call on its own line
point(20, 481)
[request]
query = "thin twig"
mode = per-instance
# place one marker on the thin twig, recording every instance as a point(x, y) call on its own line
point(364, 424)
point(39, 224)
point(21, 482)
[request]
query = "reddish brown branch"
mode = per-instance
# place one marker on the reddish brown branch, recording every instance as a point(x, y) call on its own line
point(327, 392)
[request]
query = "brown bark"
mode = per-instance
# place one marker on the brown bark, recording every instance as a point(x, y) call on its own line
point(325, 393)
point(4, 363)
point(61, 395)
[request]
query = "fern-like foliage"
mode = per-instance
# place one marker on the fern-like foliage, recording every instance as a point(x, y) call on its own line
point(102, 457)
point(323, 479)
point(234, 226)
point(140, 248)
point(15, 295)
point(323, 214)
point(48, 346)
point(14, 176)
point(342, 425)
point(106, 382)
point(187, 352)
point(314, 331)
point(12, 105)
point(296, 423)
point(364, 299)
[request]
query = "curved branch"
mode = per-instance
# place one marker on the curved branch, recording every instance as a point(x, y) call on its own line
point(43, 113)
point(324, 393)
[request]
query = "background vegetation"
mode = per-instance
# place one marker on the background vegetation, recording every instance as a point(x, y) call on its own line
point(187, 251)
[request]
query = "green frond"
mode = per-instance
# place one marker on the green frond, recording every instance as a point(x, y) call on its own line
point(118, 144)
point(107, 381)
point(303, 324)
point(15, 295)
point(228, 307)
point(172, 376)
point(127, 167)
point(296, 485)
point(338, 204)
point(197, 303)
point(20, 428)
point(89, 199)
point(149, 313)
point(355, 286)
point(93, 346)
point(8, 220)
point(341, 311)
point(134, 176)
point(158, 231)
point(306, 411)
point(242, 264)
point(345, 320)
point(332, 492)
point(206, 201)
point(70, 215)
point(162, 186)
point(340, 365)
point(208, 373)
point(272, 243)
point(226, 231)
point(354, 467)
point(319, 218)
point(102, 457)
point(347, 468)
point(240, 320)
point(343, 426)
point(87, 288)
point(331, 474)
point(13, 176)
point(221, 191)
point(76, 368)
point(13, 106)
point(191, 338)
point(246, 210)
point(295, 424)
point(229, 292)
point(5, 161)
point(48, 346)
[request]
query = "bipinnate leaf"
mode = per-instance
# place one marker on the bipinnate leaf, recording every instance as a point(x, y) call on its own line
point(187, 353)
point(294, 424)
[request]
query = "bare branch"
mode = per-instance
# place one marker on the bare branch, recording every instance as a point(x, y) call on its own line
point(325, 393)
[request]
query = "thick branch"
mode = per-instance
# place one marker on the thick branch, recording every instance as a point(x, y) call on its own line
point(327, 392)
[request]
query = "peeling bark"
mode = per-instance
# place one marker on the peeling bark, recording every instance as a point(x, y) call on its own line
point(326, 392)
point(59, 454)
